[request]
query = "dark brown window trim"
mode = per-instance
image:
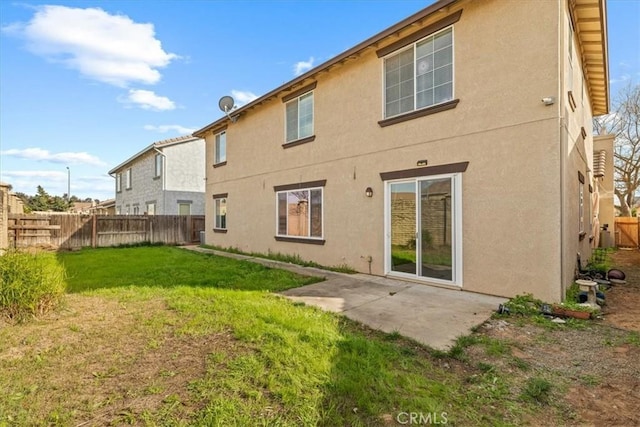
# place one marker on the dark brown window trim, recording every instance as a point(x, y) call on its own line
point(590, 188)
point(299, 92)
point(430, 29)
point(300, 240)
point(217, 165)
point(583, 132)
point(572, 102)
point(220, 230)
point(221, 196)
point(299, 141)
point(419, 113)
point(221, 129)
point(301, 185)
point(582, 235)
point(580, 177)
point(426, 171)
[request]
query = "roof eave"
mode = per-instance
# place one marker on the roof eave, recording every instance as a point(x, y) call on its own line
point(440, 4)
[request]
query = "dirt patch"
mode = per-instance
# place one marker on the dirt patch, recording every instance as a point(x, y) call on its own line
point(119, 359)
point(623, 301)
point(595, 369)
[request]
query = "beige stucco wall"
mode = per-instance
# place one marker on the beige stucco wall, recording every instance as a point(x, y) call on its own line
point(605, 184)
point(506, 61)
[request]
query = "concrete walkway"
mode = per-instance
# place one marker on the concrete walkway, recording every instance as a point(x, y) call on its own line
point(430, 315)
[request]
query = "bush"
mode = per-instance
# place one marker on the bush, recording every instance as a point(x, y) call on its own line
point(31, 284)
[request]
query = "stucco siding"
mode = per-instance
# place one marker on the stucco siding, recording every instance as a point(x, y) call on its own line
point(185, 166)
point(507, 57)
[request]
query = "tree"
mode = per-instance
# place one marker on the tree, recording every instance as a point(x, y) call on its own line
point(43, 201)
point(624, 123)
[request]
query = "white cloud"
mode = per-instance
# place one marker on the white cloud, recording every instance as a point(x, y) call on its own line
point(166, 128)
point(243, 97)
point(39, 154)
point(621, 79)
point(303, 66)
point(148, 100)
point(109, 48)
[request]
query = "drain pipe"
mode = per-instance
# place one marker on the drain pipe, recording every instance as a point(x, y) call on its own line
point(164, 180)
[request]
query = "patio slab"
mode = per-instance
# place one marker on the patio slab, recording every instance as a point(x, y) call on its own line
point(431, 315)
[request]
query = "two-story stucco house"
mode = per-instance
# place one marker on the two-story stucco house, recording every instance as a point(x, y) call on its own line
point(453, 148)
point(165, 178)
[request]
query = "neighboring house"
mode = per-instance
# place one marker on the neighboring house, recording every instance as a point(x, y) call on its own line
point(165, 178)
point(106, 207)
point(81, 207)
point(459, 137)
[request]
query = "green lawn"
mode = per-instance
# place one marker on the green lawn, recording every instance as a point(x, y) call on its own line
point(165, 336)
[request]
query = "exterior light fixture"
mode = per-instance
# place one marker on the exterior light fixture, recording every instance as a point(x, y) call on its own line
point(368, 192)
point(422, 162)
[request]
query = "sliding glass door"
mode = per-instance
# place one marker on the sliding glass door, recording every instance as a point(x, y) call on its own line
point(423, 227)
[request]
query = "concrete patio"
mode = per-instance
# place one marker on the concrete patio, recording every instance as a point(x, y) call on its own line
point(430, 315)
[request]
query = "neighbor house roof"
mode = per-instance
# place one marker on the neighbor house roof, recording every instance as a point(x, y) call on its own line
point(156, 145)
point(591, 29)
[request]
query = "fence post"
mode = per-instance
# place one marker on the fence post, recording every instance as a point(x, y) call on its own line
point(94, 231)
point(4, 215)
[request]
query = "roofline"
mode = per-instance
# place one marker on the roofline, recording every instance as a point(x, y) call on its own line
point(156, 145)
point(429, 10)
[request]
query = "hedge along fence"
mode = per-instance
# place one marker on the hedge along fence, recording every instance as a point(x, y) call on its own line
point(31, 284)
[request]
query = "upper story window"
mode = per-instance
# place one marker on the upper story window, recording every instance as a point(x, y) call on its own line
point(419, 76)
point(299, 117)
point(221, 148)
point(127, 179)
point(158, 165)
point(118, 182)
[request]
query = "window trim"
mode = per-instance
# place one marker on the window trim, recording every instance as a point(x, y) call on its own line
point(119, 182)
point(302, 186)
point(407, 44)
point(128, 175)
point(290, 99)
point(216, 198)
point(158, 173)
point(217, 161)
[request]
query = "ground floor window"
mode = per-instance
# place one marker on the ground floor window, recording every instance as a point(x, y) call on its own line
point(300, 213)
point(220, 212)
point(184, 208)
point(151, 208)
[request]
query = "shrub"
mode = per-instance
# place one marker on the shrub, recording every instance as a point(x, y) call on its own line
point(30, 284)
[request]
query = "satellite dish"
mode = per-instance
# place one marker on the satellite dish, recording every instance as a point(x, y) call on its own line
point(226, 104)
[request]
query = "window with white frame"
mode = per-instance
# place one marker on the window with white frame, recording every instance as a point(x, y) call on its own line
point(158, 165)
point(118, 182)
point(127, 179)
point(300, 213)
point(299, 117)
point(136, 209)
point(184, 208)
point(419, 76)
point(221, 148)
point(220, 212)
point(151, 208)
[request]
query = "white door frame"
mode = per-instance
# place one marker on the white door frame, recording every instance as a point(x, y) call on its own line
point(456, 222)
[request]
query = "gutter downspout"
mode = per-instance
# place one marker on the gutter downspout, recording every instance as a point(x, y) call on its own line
point(164, 180)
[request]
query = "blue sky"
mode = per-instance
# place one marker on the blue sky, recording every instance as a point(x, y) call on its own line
point(86, 84)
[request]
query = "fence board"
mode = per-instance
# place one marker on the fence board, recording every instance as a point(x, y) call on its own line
point(627, 232)
point(70, 231)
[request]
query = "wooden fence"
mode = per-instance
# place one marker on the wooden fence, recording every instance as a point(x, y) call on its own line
point(627, 232)
point(68, 231)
